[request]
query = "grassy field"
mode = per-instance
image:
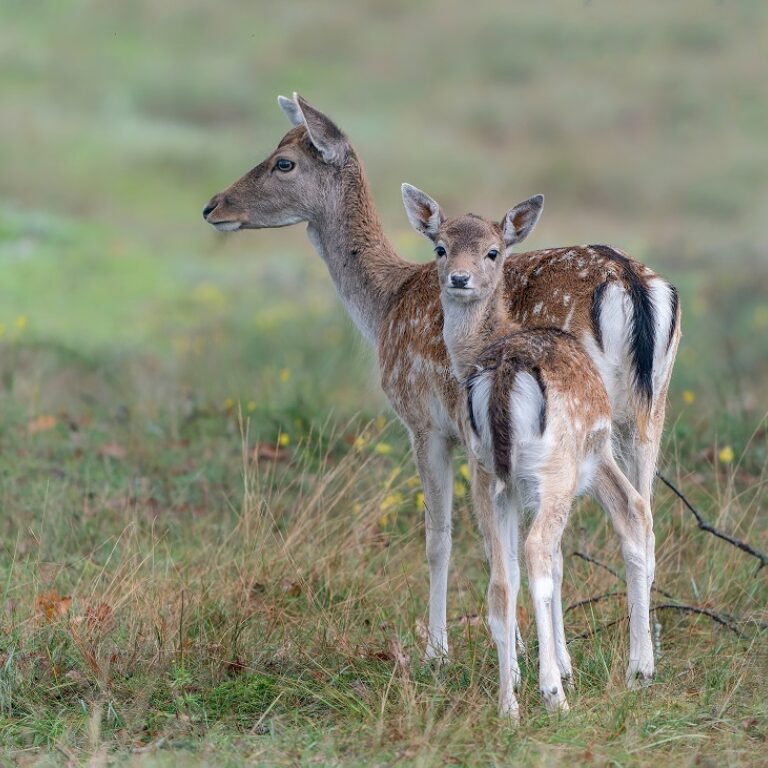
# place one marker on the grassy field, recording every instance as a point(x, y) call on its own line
point(212, 546)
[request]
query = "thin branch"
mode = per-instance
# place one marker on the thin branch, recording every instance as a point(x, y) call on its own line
point(593, 599)
point(724, 620)
point(594, 561)
point(705, 526)
point(617, 575)
point(716, 617)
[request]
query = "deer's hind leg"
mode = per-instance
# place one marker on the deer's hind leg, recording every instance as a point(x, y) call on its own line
point(501, 542)
point(631, 518)
point(542, 550)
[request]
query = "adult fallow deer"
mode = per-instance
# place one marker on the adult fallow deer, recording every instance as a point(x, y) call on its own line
point(624, 315)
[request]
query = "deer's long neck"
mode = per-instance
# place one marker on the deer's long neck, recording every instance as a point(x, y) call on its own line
point(469, 328)
point(364, 266)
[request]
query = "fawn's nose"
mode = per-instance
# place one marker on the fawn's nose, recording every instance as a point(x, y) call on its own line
point(211, 205)
point(459, 279)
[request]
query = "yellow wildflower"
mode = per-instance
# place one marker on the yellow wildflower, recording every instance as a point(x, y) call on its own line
point(420, 502)
point(726, 455)
point(760, 317)
point(413, 481)
point(459, 489)
point(464, 471)
point(251, 406)
point(391, 501)
point(360, 442)
point(209, 292)
point(383, 521)
point(228, 404)
point(381, 422)
point(689, 398)
point(285, 374)
point(283, 439)
point(383, 448)
point(21, 322)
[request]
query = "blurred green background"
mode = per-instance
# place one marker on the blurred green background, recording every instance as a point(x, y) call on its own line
point(131, 333)
point(645, 125)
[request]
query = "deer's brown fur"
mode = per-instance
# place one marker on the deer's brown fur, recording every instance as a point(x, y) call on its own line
point(396, 306)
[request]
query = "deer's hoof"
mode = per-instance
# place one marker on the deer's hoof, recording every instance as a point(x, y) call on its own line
point(554, 699)
point(639, 674)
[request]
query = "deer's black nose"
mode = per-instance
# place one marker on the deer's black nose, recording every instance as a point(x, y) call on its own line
point(211, 205)
point(459, 279)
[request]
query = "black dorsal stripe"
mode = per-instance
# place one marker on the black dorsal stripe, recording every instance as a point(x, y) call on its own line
point(470, 386)
point(643, 332)
point(675, 309)
point(543, 411)
point(597, 303)
point(501, 423)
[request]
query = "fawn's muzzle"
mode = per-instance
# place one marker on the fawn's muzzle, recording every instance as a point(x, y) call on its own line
point(459, 279)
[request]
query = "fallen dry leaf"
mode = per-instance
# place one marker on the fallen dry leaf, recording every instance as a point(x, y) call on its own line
point(41, 424)
point(269, 452)
point(51, 605)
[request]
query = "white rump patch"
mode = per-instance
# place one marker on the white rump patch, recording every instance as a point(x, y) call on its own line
point(481, 443)
point(661, 300)
point(526, 402)
point(613, 360)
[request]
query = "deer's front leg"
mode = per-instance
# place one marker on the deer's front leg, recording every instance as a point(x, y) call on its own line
point(433, 460)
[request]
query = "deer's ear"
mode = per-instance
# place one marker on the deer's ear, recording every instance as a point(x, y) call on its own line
point(327, 138)
point(520, 220)
point(423, 212)
point(291, 110)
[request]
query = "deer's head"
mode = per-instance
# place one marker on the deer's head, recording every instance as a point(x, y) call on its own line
point(295, 182)
point(470, 250)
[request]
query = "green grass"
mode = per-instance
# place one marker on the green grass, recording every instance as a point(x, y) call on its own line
point(230, 608)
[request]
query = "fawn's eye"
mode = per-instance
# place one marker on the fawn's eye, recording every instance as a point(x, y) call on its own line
point(440, 251)
point(284, 165)
point(492, 254)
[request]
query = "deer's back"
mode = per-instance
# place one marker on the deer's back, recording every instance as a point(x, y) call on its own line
point(553, 288)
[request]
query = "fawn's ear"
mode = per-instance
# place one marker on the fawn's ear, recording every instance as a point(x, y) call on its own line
point(324, 134)
point(291, 109)
point(520, 220)
point(423, 212)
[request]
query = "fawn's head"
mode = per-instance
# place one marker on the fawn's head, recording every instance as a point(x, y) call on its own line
point(296, 181)
point(470, 250)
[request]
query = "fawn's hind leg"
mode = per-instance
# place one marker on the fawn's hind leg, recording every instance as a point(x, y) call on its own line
point(542, 548)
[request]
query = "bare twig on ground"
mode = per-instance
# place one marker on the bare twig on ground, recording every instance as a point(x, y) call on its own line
point(724, 620)
point(682, 607)
point(594, 599)
point(705, 526)
point(616, 574)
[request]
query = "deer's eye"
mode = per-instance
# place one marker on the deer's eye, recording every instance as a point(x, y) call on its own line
point(440, 251)
point(284, 165)
point(492, 254)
